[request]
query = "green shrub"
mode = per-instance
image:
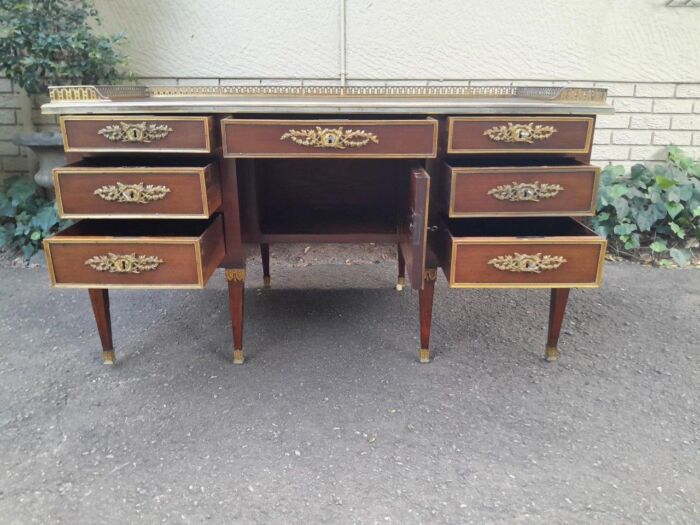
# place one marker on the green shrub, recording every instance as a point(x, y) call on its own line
point(652, 212)
point(51, 42)
point(26, 217)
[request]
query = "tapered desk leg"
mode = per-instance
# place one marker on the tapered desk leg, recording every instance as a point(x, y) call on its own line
point(401, 282)
point(425, 303)
point(99, 298)
point(557, 307)
point(236, 287)
point(265, 256)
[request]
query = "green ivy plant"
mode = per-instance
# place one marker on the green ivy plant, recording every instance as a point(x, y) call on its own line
point(51, 42)
point(26, 217)
point(652, 212)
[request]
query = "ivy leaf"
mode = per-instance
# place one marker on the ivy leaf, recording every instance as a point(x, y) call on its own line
point(658, 246)
point(7, 233)
point(674, 209)
point(677, 230)
point(664, 182)
point(638, 171)
point(674, 194)
point(624, 228)
point(646, 219)
point(45, 219)
point(21, 190)
point(622, 207)
point(632, 243)
point(6, 207)
point(616, 191)
point(680, 256)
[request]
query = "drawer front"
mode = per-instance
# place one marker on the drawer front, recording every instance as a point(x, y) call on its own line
point(562, 135)
point(571, 258)
point(337, 138)
point(77, 261)
point(141, 133)
point(526, 191)
point(83, 192)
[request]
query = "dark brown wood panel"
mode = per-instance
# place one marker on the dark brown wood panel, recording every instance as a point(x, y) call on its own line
point(281, 138)
point(144, 134)
point(413, 223)
point(473, 135)
point(520, 191)
point(186, 254)
point(84, 191)
point(472, 259)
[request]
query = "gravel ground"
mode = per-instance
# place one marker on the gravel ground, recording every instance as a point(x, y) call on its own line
point(333, 420)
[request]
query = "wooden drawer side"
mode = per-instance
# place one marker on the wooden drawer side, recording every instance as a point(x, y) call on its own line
point(137, 192)
point(87, 261)
point(574, 261)
point(521, 191)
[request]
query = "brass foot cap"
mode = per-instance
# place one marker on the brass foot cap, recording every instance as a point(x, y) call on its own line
point(238, 357)
point(400, 283)
point(266, 282)
point(551, 353)
point(108, 357)
point(425, 355)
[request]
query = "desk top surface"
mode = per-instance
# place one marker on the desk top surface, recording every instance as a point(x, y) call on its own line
point(328, 100)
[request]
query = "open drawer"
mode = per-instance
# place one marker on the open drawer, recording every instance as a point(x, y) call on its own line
point(138, 188)
point(135, 254)
point(546, 189)
point(520, 253)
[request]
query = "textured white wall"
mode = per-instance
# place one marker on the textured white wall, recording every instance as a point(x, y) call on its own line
point(613, 40)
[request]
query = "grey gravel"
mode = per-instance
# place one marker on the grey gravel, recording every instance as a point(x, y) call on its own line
point(333, 420)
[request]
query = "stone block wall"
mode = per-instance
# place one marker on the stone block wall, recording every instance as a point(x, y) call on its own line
point(14, 160)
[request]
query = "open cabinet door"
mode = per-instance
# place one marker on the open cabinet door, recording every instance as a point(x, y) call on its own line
point(413, 226)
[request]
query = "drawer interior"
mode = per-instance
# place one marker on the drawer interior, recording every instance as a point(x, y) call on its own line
point(519, 228)
point(147, 228)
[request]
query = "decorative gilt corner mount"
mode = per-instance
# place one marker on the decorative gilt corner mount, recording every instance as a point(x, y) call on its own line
point(235, 275)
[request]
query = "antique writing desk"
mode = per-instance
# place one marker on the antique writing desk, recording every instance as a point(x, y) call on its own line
point(482, 182)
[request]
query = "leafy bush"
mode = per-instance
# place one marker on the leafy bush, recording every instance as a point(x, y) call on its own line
point(26, 217)
point(51, 42)
point(652, 212)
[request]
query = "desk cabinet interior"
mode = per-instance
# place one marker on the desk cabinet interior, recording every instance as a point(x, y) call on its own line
point(479, 182)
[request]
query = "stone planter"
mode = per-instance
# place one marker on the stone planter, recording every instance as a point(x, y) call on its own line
point(48, 148)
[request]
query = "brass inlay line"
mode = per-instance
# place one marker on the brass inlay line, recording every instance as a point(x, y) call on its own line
point(96, 93)
point(521, 262)
point(525, 192)
point(335, 138)
point(521, 133)
point(132, 193)
point(131, 132)
point(127, 263)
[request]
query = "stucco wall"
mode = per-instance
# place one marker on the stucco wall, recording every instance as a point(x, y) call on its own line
point(615, 40)
point(648, 55)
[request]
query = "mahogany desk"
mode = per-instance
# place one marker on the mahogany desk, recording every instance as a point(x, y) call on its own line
point(481, 182)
